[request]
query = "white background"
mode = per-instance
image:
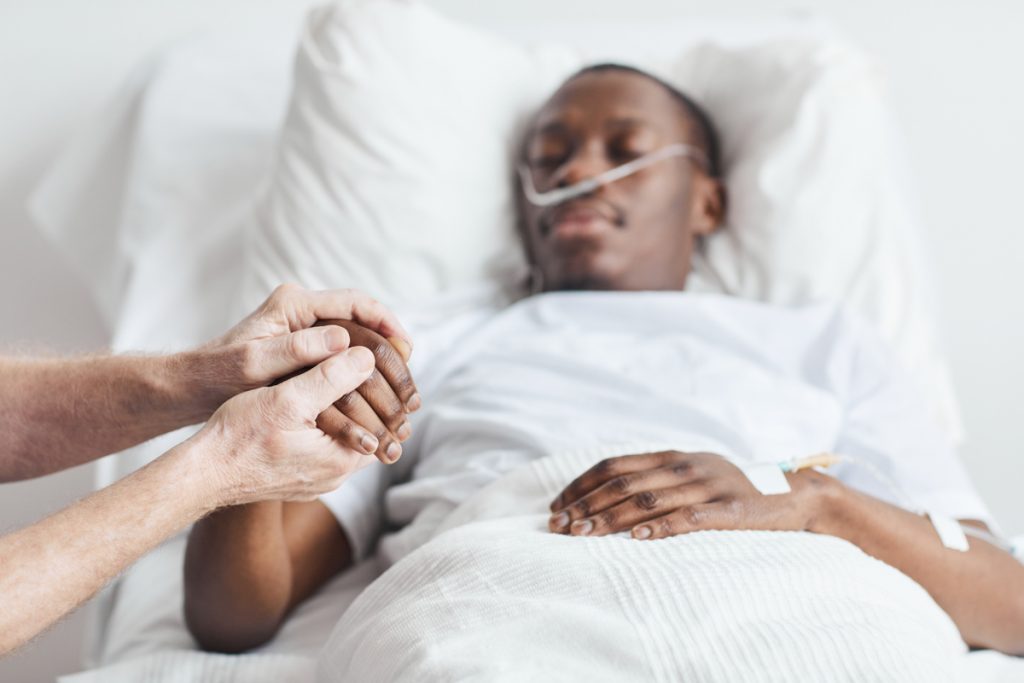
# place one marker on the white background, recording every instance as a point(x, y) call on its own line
point(955, 85)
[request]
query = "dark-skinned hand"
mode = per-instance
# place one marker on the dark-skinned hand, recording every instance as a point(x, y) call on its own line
point(656, 495)
point(373, 419)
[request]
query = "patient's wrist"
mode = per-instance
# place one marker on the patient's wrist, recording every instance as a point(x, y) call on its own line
point(824, 500)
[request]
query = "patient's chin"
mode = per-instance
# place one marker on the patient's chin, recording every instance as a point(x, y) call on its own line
point(583, 272)
point(582, 281)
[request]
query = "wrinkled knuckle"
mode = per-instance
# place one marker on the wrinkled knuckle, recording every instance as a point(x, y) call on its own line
point(605, 467)
point(681, 469)
point(347, 402)
point(298, 346)
point(381, 348)
point(620, 484)
point(283, 399)
point(646, 500)
point(691, 516)
point(346, 429)
point(283, 292)
point(405, 386)
point(664, 526)
point(606, 518)
point(582, 507)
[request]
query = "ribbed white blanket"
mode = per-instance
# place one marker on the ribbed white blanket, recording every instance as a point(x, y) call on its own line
point(493, 596)
point(485, 593)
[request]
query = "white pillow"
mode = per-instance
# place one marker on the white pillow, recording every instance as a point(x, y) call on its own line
point(820, 206)
point(392, 171)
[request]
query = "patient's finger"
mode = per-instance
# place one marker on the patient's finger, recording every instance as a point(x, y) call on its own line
point(641, 507)
point(682, 521)
point(355, 407)
point(389, 409)
point(390, 361)
point(342, 428)
point(620, 488)
point(609, 469)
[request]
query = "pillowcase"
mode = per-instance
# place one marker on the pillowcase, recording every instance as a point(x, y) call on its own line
point(394, 170)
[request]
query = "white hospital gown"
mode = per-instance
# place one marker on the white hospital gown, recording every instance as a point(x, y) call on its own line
point(574, 370)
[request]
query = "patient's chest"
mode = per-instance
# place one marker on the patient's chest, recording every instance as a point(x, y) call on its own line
point(552, 377)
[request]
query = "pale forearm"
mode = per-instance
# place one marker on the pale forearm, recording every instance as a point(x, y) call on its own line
point(58, 413)
point(50, 568)
point(982, 590)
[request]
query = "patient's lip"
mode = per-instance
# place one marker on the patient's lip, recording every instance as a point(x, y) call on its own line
point(579, 219)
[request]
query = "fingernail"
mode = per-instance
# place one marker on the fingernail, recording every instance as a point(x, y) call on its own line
point(361, 357)
point(414, 403)
point(404, 431)
point(583, 527)
point(369, 444)
point(403, 347)
point(393, 451)
point(561, 520)
point(642, 532)
point(337, 339)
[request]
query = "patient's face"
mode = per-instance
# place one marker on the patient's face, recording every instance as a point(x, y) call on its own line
point(635, 233)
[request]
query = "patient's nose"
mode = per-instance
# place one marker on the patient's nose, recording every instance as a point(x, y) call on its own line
point(587, 162)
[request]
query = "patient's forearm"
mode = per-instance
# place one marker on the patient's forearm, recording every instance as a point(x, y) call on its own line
point(247, 567)
point(982, 589)
point(58, 413)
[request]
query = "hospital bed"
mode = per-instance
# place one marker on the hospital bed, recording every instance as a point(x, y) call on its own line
point(174, 244)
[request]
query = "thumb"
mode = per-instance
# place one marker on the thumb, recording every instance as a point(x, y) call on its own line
point(315, 390)
point(281, 355)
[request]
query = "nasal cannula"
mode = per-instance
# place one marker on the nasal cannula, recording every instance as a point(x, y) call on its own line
point(588, 185)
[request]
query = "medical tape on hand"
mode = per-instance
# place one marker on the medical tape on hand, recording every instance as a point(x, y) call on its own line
point(767, 477)
point(949, 531)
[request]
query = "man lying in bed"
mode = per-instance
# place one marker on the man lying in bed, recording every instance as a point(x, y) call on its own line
point(625, 358)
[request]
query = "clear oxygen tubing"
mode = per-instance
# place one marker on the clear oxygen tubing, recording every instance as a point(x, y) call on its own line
point(588, 185)
point(824, 460)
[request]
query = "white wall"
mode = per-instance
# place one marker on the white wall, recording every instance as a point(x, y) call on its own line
point(954, 85)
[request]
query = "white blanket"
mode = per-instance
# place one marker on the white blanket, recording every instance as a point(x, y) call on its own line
point(493, 596)
point(489, 595)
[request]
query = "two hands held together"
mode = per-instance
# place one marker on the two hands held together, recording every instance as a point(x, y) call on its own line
point(344, 401)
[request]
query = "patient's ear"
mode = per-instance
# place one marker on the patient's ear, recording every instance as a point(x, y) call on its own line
point(708, 207)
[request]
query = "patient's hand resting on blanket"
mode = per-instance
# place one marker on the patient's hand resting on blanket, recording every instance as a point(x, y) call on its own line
point(655, 495)
point(247, 567)
point(658, 495)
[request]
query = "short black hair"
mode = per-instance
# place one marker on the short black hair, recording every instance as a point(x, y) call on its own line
point(707, 136)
